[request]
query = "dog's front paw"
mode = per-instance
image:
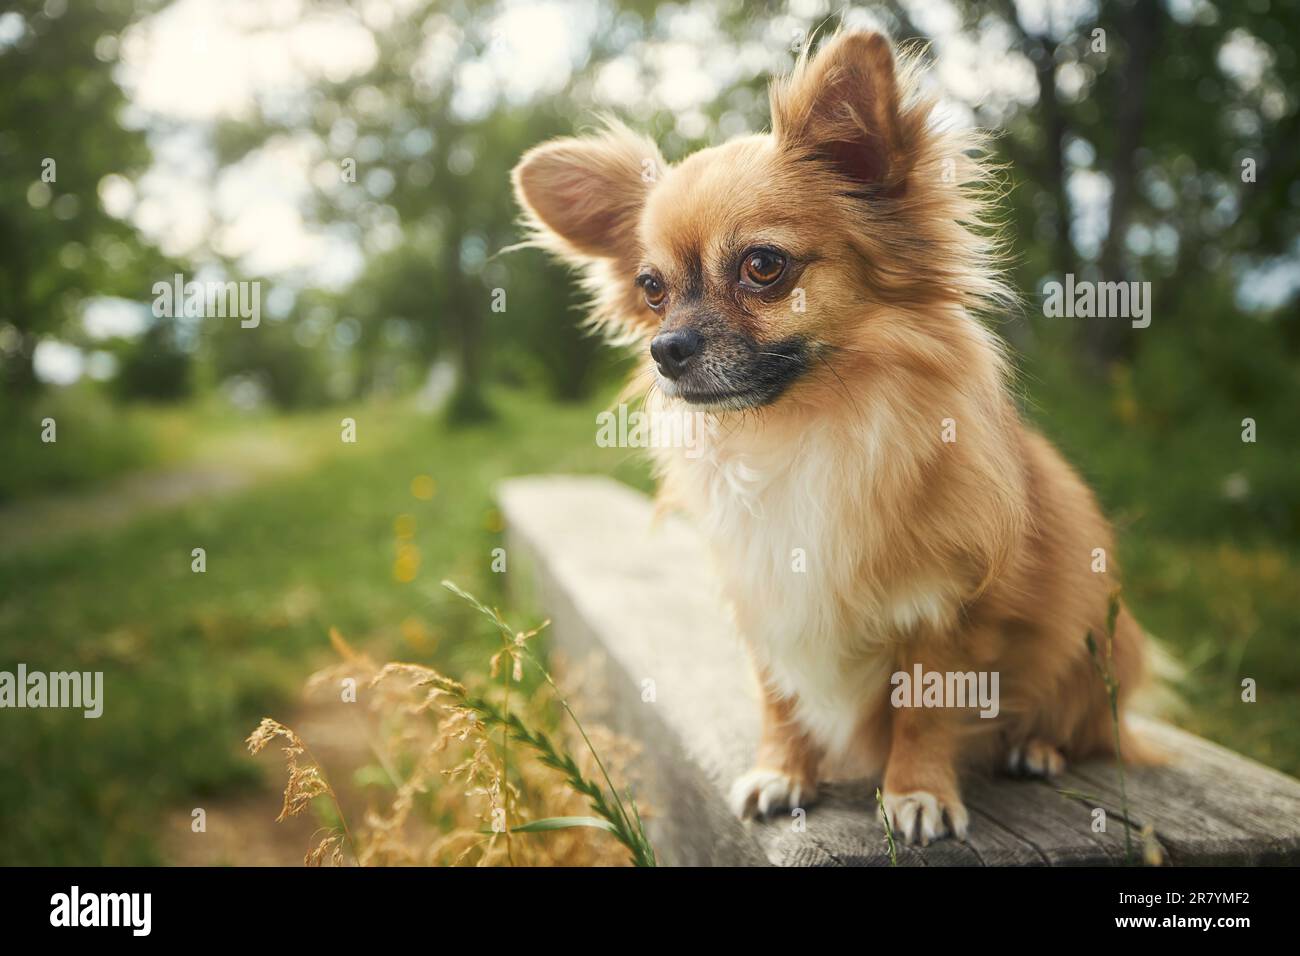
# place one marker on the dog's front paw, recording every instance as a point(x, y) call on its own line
point(762, 792)
point(918, 816)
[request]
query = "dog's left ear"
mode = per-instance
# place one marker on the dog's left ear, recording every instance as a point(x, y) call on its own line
point(582, 196)
point(843, 106)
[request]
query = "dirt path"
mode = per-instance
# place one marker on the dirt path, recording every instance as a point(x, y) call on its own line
point(39, 522)
point(235, 464)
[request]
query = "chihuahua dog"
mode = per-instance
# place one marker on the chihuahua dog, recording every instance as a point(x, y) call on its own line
point(878, 509)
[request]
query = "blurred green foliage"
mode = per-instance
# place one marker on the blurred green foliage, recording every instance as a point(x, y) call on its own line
point(94, 442)
point(60, 135)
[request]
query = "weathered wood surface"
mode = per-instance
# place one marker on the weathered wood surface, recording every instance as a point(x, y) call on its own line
point(637, 595)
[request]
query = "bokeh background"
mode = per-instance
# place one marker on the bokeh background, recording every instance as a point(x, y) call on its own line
point(214, 139)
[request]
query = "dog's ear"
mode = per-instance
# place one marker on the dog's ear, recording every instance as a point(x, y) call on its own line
point(582, 197)
point(842, 105)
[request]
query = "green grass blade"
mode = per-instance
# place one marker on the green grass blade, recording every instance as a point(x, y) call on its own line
point(561, 823)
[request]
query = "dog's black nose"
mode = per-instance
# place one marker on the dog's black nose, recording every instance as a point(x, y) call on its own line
point(674, 351)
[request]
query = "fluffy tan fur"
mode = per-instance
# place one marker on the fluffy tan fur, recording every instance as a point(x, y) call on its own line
point(974, 554)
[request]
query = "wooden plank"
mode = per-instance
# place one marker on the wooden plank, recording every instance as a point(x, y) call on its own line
point(1209, 806)
point(1060, 829)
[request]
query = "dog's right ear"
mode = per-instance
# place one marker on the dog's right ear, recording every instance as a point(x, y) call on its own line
point(583, 196)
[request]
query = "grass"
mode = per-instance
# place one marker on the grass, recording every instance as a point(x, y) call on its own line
point(889, 831)
point(190, 660)
point(90, 442)
point(1102, 661)
point(444, 790)
point(626, 826)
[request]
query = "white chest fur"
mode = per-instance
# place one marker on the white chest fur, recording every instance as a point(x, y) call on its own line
point(789, 518)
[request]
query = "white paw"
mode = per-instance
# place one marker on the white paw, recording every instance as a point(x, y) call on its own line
point(762, 792)
point(1035, 758)
point(919, 817)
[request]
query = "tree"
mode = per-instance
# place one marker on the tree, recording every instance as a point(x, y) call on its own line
point(61, 135)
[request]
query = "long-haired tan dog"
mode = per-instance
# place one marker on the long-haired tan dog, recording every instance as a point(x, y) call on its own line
point(876, 503)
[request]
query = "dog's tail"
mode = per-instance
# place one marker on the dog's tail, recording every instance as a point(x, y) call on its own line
point(1155, 697)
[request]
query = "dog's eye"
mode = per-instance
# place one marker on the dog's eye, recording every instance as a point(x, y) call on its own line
point(653, 289)
point(761, 268)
